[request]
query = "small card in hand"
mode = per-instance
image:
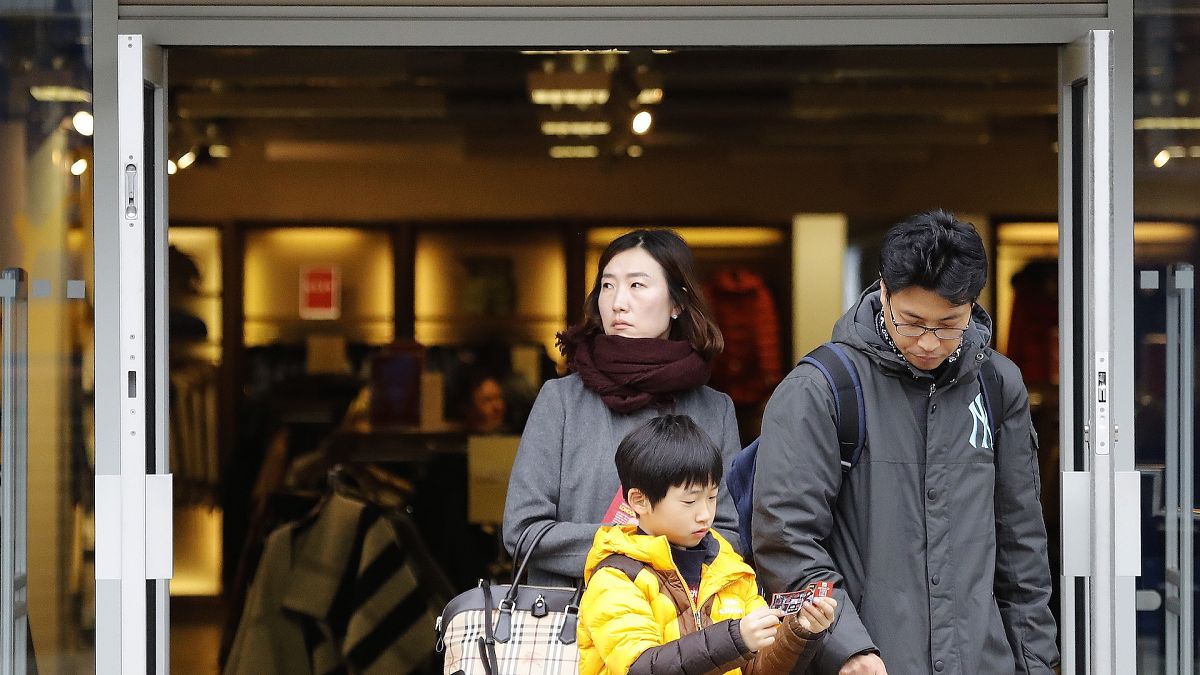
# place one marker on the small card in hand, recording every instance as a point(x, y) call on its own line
point(792, 602)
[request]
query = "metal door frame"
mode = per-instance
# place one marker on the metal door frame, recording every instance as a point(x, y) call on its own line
point(1101, 550)
point(696, 25)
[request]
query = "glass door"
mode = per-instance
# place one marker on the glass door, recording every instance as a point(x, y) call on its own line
point(1165, 324)
point(47, 600)
point(133, 486)
point(1100, 525)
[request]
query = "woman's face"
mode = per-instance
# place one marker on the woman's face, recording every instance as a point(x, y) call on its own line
point(634, 299)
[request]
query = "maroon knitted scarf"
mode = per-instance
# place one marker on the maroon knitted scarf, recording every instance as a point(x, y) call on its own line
point(632, 373)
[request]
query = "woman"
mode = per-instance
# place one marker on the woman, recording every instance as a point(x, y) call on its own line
point(643, 347)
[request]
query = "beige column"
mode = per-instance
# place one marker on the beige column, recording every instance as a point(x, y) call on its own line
point(983, 223)
point(818, 250)
point(45, 258)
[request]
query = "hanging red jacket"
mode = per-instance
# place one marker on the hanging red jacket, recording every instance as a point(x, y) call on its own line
point(750, 366)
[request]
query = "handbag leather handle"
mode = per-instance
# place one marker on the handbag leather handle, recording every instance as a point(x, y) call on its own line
point(533, 544)
point(521, 541)
point(503, 630)
point(487, 643)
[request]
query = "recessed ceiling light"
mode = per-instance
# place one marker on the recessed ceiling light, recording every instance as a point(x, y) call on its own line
point(83, 122)
point(576, 127)
point(574, 151)
point(53, 93)
point(1166, 123)
point(642, 122)
point(650, 96)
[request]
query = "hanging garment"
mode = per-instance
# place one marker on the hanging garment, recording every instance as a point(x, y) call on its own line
point(742, 306)
point(335, 593)
point(195, 456)
point(1033, 327)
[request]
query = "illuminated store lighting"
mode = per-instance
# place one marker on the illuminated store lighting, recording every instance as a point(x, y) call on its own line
point(83, 122)
point(576, 128)
point(642, 122)
point(650, 96)
point(1166, 123)
point(574, 151)
point(59, 94)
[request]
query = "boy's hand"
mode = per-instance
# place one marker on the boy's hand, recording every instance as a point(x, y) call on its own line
point(817, 615)
point(759, 626)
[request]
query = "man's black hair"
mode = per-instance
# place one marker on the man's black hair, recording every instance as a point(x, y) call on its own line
point(936, 251)
point(667, 451)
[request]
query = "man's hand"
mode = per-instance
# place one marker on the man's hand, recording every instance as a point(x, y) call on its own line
point(863, 664)
point(759, 626)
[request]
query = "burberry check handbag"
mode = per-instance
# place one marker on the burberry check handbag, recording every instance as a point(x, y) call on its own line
point(512, 629)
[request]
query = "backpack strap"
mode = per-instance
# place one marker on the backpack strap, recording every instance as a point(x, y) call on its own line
point(992, 388)
point(621, 562)
point(850, 414)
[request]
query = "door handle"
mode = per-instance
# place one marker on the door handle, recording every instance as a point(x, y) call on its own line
point(14, 453)
point(131, 210)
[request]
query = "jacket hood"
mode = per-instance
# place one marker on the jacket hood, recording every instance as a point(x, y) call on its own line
point(656, 552)
point(857, 329)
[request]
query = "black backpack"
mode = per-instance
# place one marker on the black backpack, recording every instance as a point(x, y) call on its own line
point(851, 420)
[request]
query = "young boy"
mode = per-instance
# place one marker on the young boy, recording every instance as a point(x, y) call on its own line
point(669, 595)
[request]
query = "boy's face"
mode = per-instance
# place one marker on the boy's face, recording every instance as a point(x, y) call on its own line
point(683, 516)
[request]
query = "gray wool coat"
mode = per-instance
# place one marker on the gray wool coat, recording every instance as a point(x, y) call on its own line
point(937, 546)
point(564, 470)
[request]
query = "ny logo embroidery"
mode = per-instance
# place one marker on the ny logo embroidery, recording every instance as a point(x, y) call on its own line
point(980, 428)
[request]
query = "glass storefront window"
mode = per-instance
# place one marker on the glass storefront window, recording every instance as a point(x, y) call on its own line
point(46, 232)
point(1166, 186)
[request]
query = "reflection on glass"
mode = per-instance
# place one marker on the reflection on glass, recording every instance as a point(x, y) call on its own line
point(1166, 182)
point(46, 229)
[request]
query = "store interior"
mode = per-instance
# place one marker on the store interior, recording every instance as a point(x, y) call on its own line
point(371, 251)
point(458, 202)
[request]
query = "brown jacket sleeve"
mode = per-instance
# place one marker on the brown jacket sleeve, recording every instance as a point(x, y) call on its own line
point(792, 651)
point(710, 651)
point(720, 648)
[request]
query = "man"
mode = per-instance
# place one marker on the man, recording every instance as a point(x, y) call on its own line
point(937, 546)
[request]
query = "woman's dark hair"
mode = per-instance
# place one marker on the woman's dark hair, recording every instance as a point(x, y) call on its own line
point(668, 250)
point(936, 251)
point(667, 451)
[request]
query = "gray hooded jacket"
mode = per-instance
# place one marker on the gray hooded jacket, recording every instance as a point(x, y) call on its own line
point(938, 549)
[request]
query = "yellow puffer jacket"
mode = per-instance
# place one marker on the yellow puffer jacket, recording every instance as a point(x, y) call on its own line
point(623, 619)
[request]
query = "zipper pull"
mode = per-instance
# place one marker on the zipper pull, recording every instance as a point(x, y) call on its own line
point(696, 613)
point(932, 388)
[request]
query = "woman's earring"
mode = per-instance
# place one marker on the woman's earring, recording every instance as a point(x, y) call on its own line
point(674, 316)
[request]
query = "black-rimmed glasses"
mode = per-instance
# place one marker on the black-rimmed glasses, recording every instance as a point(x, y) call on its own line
point(916, 330)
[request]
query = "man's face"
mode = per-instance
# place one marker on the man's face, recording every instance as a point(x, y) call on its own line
point(683, 516)
point(917, 306)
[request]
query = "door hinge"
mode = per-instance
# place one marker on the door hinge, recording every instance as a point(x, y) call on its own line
point(160, 531)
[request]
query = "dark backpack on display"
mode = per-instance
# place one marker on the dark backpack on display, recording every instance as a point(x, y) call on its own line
point(851, 419)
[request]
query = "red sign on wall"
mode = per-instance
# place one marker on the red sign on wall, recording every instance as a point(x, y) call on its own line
point(320, 292)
